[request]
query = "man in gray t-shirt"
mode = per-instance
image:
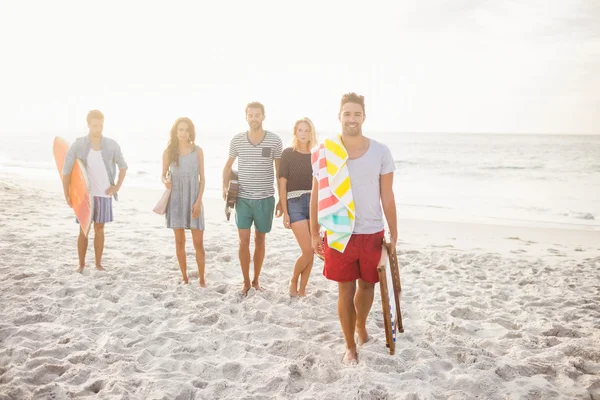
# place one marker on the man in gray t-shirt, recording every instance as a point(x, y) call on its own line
point(371, 169)
point(365, 176)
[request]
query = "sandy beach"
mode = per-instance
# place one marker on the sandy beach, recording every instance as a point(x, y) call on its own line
point(490, 312)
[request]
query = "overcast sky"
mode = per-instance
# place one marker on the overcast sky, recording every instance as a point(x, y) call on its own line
point(439, 66)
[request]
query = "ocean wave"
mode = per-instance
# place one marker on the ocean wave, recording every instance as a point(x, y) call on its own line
point(512, 167)
point(424, 206)
point(28, 164)
point(581, 215)
point(403, 163)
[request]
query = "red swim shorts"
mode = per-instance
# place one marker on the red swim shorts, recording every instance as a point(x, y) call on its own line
point(360, 259)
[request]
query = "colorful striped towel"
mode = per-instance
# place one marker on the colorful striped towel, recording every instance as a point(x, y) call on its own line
point(336, 204)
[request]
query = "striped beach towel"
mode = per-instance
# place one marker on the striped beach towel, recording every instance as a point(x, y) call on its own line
point(336, 204)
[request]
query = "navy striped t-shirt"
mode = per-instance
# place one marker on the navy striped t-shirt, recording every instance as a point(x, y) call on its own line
point(255, 164)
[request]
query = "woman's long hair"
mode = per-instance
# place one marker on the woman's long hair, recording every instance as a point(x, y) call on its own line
point(173, 146)
point(312, 140)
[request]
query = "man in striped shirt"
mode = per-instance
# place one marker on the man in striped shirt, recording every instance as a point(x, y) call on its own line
point(256, 150)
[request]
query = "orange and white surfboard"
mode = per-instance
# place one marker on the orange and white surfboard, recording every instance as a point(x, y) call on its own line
point(79, 190)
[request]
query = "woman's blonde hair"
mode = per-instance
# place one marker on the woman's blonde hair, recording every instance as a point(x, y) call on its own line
point(312, 140)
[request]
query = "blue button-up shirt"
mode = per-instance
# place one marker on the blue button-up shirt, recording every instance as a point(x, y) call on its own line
point(111, 155)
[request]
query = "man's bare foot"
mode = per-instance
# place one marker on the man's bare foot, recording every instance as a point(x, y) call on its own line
point(99, 267)
point(351, 357)
point(185, 281)
point(245, 288)
point(293, 287)
point(202, 283)
point(257, 286)
point(363, 335)
point(80, 268)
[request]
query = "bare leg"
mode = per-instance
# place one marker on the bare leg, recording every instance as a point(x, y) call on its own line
point(198, 238)
point(363, 302)
point(304, 275)
point(82, 244)
point(98, 244)
point(347, 316)
point(304, 263)
point(244, 255)
point(259, 257)
point(180, 251)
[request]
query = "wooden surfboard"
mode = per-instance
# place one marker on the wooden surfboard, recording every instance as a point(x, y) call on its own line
point(391, 289)
point(79, 190)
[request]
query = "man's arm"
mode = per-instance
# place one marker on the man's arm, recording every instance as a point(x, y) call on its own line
point(122, 173)
point(66, 181)
point(388, 202)
point(112, 190)
point(120, 161)
point(227, 175)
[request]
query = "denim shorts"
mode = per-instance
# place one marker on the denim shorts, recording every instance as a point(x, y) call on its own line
point(299, 208)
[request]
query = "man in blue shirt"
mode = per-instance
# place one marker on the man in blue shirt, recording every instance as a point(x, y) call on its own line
point(100, 155)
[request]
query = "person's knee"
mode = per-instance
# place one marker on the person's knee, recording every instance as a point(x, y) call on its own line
point(308, 254)
point(366, 286)
point(180, 240)
point(199, 244)
point(98, 228)
point(260, 238)
point(245, 240)
point(347, 290)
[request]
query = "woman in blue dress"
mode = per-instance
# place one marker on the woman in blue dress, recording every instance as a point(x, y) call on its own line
point(183, 173)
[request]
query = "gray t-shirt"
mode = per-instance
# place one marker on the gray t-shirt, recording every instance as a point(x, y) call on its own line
point(364, 179)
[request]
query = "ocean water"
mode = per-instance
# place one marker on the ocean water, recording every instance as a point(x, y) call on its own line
point(534, 180)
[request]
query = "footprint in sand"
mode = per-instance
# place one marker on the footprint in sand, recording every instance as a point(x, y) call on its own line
point(467, 313)
point(561, 331)
point(97, 386)
point(64, 340)
point(518, 251)
point(199, 383)
point(46, 374)
point(232, 371)
point(505, 323)
point(205, 320)
point(22, 275)
point(221, 289)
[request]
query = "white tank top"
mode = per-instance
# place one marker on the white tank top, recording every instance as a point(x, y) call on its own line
point(97, 174)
